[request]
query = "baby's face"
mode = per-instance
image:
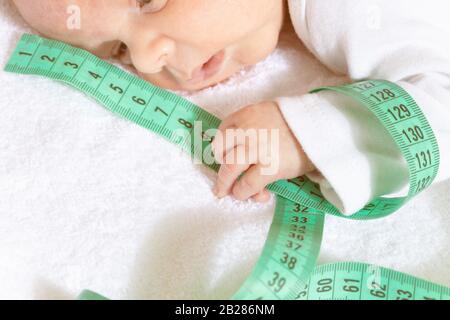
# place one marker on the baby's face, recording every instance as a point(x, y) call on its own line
point(175, 44)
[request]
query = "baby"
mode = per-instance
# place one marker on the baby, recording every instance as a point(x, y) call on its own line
point(194, 44)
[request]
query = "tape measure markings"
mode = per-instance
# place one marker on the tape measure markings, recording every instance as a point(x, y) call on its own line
point(289, 254)
point(379, 284)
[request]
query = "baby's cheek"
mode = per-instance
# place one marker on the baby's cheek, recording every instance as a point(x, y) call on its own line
point(162, 80)
point(104, 50)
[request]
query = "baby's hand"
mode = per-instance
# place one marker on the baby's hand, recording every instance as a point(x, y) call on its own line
point(256, 141)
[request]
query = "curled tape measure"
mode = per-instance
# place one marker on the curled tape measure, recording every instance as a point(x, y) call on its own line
point(287, 267)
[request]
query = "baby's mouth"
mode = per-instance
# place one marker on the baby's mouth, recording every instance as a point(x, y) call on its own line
point(209, 68)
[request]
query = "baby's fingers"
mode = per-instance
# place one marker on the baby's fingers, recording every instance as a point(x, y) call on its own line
point(262, 196)
point(221, 145)
point(251, 183)
point(236, 161)
point(228, 173)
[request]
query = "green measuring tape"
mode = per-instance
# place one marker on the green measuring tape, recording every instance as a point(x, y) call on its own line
point(287, 267)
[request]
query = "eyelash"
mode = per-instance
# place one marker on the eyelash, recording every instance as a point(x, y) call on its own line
point(150, 6)
point(143, 3)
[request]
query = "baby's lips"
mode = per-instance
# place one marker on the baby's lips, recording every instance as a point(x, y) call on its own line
point(208, 69)
point(214, 64)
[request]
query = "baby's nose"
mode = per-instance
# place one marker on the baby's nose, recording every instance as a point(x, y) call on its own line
point(151, 56)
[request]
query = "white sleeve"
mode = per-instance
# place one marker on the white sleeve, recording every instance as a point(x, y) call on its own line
point(407, 42)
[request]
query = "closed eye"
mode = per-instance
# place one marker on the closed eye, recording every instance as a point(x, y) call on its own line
point(150, 6)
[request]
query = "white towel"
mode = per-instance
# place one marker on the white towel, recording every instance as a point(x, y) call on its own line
point(89, 200)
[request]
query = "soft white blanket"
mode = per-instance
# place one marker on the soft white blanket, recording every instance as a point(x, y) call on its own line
point(88, 200)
